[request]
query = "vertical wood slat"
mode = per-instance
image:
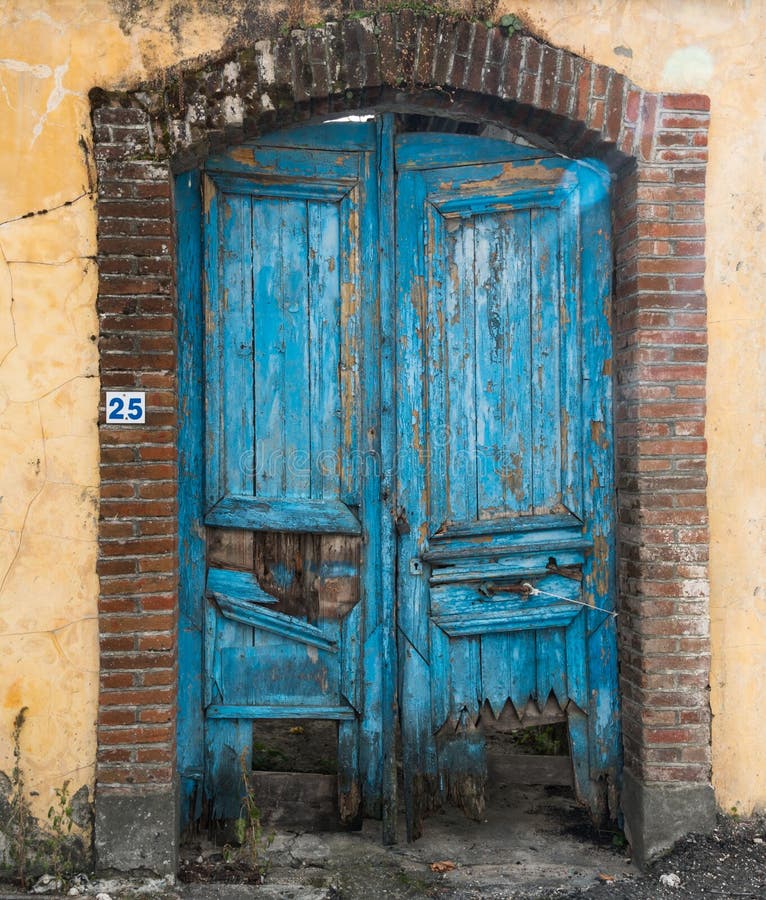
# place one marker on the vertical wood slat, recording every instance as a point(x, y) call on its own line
point(599, 573)
point(523, 673)
point(418, 746)
point(269, 350)
point(236, 310)
point(350, 349)
point(191, 510)
point(551, 666)
point(389, 699)
point(546, 413)
point(460, 380)
point(215, 486)
point(296, 336)
point(465, 675)
point(519, 374)
point(324, 350)
point(570, 316)
point(496, 670)
point(368, 346)
point(434, 388)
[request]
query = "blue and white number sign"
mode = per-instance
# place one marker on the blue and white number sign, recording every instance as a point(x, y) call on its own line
point(125, 407)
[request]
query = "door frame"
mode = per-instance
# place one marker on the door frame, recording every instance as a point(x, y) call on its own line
point(580, 108)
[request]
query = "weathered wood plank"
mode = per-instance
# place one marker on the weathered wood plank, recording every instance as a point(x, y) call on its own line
point(236, 326)
point(504, 569)
point(387, 388)
point(230, 548)
point(289, 627)
point(240, 585)
point(551, 663)
point(435, 150)
point(191, 468)
point(523, 674)
point(269, 354)
point(570, 317)
point(296, 339)
point(465, 673)
point(351, 351)
point(316, 166)
point(215, 485)
point(324, 349)
point(460, 487)
point(496, 670)
point(225, 711)
point(435, 343)
point(599, 573)
point(229, 748)
point(576, 668)
point(364, 268)
point(546, 343)
point(276, 514)
point(496, 621)
point(508, 525)
point(522, 768)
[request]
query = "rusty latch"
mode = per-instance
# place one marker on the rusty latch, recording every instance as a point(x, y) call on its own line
point(488, 589)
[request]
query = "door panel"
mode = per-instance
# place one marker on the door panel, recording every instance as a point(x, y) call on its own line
point(500, 545)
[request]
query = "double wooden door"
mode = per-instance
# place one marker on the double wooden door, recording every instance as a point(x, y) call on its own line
point(407, 457)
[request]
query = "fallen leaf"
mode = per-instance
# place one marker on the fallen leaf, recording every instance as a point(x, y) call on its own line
point(444, 865)
point(607, 879)
point(297, 729)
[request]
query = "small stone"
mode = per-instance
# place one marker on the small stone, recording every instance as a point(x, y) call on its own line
point(103, 896)
point(670, 879)
point(46, 884)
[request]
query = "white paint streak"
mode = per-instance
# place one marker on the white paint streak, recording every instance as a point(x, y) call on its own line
point(54, 100)
point(16, 65)
point(265, 59)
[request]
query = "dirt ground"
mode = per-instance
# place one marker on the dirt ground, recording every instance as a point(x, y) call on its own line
point(535, 843)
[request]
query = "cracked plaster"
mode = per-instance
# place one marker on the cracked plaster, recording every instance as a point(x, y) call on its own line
point(50, 56)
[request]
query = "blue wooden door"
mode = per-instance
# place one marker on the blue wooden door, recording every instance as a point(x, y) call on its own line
point(408, 439)
point(295, 597)
point(504, 461)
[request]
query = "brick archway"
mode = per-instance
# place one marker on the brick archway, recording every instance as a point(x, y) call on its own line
point(656, 145)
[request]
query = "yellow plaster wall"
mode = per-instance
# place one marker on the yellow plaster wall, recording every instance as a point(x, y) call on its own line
point(51, 53)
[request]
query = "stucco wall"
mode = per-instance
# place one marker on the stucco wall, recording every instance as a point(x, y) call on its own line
point(51, 54)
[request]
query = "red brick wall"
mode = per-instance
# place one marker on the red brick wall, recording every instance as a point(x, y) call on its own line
point(660, 363)
point(657, 147)
point(138, 530)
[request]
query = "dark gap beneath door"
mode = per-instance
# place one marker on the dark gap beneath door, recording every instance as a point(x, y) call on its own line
point(294, 777)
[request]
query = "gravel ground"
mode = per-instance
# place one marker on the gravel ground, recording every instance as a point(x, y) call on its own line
point(729, 863)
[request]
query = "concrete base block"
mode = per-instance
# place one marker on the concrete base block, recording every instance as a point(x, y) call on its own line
point(137, 831)
point(657, 814)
